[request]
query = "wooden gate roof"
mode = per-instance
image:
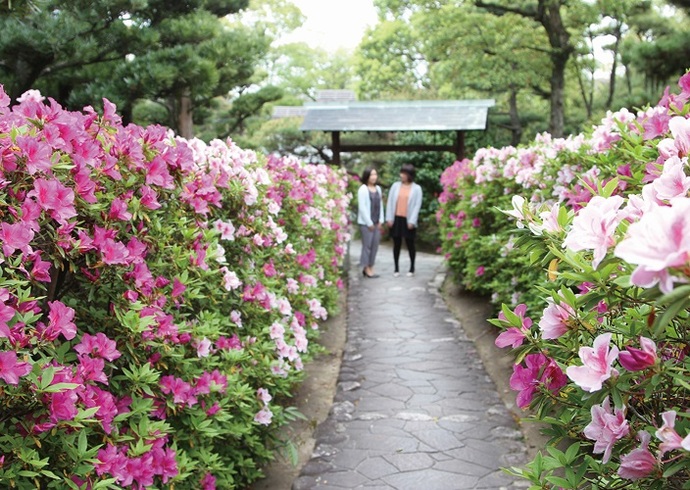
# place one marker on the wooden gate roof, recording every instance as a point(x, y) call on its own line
point(415, 115)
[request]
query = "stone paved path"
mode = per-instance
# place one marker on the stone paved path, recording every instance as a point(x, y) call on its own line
point(414, 408)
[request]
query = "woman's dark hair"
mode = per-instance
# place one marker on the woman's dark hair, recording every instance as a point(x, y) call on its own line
point(408, 169)
point(366, 174)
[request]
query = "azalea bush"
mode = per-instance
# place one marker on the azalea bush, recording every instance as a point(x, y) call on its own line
point(603, 361)
point(159, 296)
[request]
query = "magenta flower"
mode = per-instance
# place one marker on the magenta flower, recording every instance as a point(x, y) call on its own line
point(538, 370)
point(118, 210)
point(164, 463)
point(6, 314)
point(53, 196)
point(178, 288)
point(60, 317)
point(596, 364)
point(555, 319)
point(98, 345)
point(480, 271)
point(37, 154)
point(208, 482)
point(594, 227)
point(634, 359)
point(639, 462)
point(63, 405)
point(10, 369)
point(149, 198)
point(606, 428)
point(16, 236)
point(181, 390)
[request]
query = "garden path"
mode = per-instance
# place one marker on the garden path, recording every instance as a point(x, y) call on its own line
point(414, 406)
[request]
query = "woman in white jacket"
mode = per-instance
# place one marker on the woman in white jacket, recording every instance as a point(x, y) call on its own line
point(370, 218)
point(404, 203)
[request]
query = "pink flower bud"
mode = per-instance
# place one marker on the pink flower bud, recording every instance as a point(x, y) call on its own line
point(634, 359)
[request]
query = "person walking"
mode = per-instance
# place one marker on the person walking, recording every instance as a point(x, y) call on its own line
point(404, 203)
point(370, 219)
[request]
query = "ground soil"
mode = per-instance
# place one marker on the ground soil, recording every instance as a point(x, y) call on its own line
point(315, 395)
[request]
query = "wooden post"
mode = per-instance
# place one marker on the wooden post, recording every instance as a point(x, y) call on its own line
point(460, 145)
point(335, 146)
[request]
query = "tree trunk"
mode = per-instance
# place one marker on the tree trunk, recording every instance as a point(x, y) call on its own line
point(612, 79)
point(185, 124)
point(549, 15)
point(515, 124)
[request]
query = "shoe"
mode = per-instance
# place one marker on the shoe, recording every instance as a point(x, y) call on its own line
point(396, 274)
point(410, 274)
point(364, 273)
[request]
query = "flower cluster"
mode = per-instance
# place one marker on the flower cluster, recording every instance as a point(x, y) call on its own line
point(142, 277)
point(607, 231)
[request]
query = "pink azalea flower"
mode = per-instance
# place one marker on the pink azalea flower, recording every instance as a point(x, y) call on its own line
point(41, 269)
point(6, 314)
point(606, 428)
point(680, 129)
point(660, 240)
point(514, 336)
point(98, 345)
point(91, 369)
point(264, 416)
point(114, 252)
point(203, 347)
point(149, 198)
point(670, 439)
point(672, 182)
point(594, 226)
point(118, 210)
point(639, 462)
point(164, 463)
point(182, 391)
point(480, 271)
point(37, 153)
point(596, 364)
point(16, 236)
point(656, 124)
point(208, 482)
point(634, 359)
point(63, 405)
point(555, 319)
point(157, 173)
point(264, 395)
point(61, 317)
point(10, 369)
point(178, 288)
point(538, 370)
point(54, 197)
point(230, 279)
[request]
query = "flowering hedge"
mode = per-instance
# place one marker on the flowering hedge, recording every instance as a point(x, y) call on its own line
point(601, 344)
point(158, 298)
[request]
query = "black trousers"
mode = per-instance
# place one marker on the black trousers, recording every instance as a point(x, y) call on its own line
point(401, 232)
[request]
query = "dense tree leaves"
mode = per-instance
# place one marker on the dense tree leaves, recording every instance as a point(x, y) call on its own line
point(177, 54)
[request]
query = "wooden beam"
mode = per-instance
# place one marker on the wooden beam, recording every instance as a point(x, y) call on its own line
point(373, 148)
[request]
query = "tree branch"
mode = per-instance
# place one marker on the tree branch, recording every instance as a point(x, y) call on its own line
point(530, 13)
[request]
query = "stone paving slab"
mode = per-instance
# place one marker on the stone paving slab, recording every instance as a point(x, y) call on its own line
point(414, 408)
